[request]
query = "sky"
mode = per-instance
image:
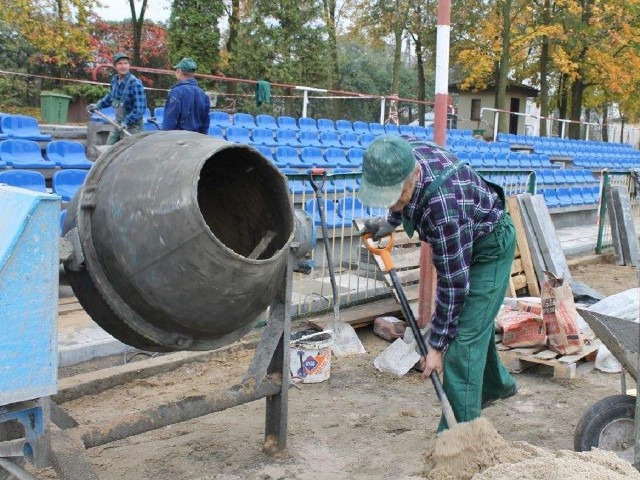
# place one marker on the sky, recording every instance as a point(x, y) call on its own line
point(157, 10)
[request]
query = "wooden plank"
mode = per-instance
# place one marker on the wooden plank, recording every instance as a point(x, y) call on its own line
point(546, 355)
point(361, 315)
point(523, 247)
point(516, 266)
point(583, 353)
point(519, 281)
point(406, 276)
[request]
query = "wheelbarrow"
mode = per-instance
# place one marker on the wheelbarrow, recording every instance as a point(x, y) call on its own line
point(611, 423)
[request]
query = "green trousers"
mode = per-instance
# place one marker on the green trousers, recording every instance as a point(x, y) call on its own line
point(473, 372)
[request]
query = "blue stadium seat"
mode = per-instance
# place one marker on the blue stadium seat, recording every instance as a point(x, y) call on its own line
point(545, 177)
point(238, 135)
point(331, 216)
point(309, 138)
point(376, 129)
point(67, 182)
point(306, 123)
point(407, 130)
point(344, 126)
point(360, 127)
point(378, 211)
point(576, 196)
point(313, 156)
point(158, 114)
point(350, 208)
point(392, 129)
point(422, 133)
point(287, 156)
point(349, 139)
point(63, 217)
point(330, 139)
point(366, 139)
point(23, 127)
point(244, 120)
point(463, 157)
point(326, 125)
point(216, 131)
point(355, 156)
point(336, 157)
point(560, 177)
point(263, 136)
point(564, 197)
point(287, 123)
point(501, 161)
point(341, 185)
point(266, 121)
point(265, 152)
point(287, 137)
point(221, 119)
point(67, 154)
point(297, 187)
point(23, 154)
point(550, 198)
point(594, 193)
point(24, 179)
point(476, 159)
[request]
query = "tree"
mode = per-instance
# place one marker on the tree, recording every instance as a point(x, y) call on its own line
point(137, 25)
point(193, 32)
point(55, 29)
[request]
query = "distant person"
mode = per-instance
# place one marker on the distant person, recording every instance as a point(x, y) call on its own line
point(126, 96)
point(187, 106)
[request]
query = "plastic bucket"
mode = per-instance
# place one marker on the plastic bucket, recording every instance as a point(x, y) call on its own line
point(310, 360)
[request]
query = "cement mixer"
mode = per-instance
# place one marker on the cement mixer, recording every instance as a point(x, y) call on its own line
point(164, 229)
point(176, 241)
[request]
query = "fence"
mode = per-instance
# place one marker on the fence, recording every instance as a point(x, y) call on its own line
point(609, 179)
point(357, 274)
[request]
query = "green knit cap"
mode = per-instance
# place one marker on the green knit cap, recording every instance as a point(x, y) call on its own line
point(387, 164)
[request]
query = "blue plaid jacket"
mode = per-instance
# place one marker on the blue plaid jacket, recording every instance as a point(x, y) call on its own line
point(464, 209)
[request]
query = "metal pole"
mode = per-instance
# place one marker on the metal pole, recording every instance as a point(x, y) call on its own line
point(305, 102)
point(442, 71)
point(382, 109)
point(495, 125)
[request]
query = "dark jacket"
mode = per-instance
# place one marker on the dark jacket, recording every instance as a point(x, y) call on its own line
point(187, 108)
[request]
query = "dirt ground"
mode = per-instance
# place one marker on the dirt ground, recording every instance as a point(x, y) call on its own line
point(360, 424)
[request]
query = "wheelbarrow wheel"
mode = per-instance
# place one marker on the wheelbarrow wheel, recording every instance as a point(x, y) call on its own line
point(608, 425)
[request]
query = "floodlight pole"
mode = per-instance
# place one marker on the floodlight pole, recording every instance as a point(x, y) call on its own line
point(428, 277)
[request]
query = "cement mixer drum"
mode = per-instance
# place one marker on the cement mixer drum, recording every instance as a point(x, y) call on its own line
point(167, 222)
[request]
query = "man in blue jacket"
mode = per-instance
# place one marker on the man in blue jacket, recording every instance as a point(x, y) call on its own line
point(187, 106)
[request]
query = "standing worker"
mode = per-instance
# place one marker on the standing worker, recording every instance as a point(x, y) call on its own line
point(187, 106)
point(127, 97)
point(462, 216)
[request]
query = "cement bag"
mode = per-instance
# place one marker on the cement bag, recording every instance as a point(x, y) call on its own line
point(522, 329)
point(559, 314)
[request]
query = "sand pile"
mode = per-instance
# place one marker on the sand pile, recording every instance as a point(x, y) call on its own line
point(475, 450)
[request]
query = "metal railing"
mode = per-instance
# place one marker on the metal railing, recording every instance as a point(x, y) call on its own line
point(609, 179)
point(357, 275)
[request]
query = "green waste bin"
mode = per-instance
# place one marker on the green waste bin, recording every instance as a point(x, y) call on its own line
point(54, 107)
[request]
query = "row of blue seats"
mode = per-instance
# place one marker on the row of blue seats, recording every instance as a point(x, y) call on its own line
point(63, 182)
point(505, 160)
point(476, 145)
point(570, 196)
point(313, 157)
point(530, 140)
point(608, 161)
point(341, 213)
point(22, 127)
point(28, 154)
point(569, 176)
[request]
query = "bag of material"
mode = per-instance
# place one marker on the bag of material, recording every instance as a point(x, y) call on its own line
point(559, 314)
point(522, 329)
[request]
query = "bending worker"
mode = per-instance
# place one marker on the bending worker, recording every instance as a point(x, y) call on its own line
point(127, 97)
point(462, 216)
point(187, 106)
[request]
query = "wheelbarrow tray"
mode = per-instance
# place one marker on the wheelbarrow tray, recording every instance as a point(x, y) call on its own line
point(621, 337)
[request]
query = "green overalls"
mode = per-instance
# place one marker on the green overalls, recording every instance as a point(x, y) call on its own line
point(473, 372)
point(119, 108)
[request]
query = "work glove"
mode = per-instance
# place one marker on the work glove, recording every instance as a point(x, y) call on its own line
point(92, 107)
point(377, 227)
point(122, 126)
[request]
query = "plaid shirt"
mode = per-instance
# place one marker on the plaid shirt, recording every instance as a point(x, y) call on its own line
point(464, 209)
point(131, 92)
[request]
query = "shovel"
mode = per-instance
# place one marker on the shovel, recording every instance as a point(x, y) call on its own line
point(385, 255)
point(345, 338)
point(108, 120)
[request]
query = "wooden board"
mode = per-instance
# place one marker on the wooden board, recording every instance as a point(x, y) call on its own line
point(523, 264)
point(564, 366)
point(361, 315)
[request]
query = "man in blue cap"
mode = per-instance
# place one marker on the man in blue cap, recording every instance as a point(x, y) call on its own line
point(127, 97)
point(463, 217)
point(187, 106)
